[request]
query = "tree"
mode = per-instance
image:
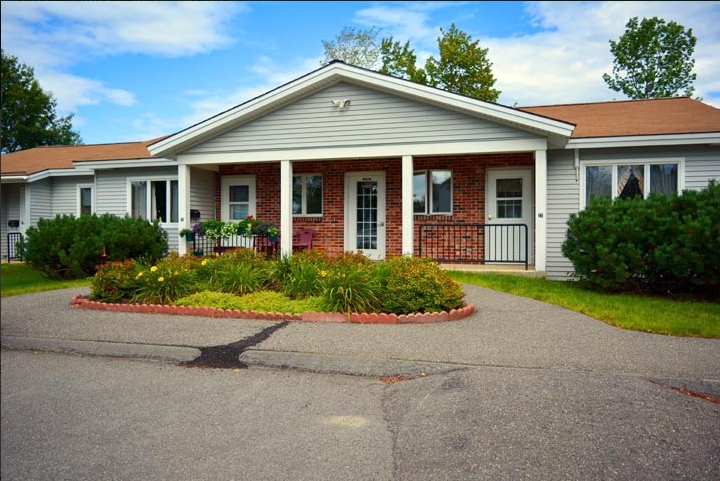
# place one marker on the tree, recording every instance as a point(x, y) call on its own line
point(356, 47)
point(28, 113)
point(653, 59)
point(463, 66)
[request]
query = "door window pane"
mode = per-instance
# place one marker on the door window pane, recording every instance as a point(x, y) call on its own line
point(509, 198)
point(366, 215)
point(239, 202)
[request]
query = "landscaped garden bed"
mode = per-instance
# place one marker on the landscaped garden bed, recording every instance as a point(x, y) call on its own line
point(307, 286)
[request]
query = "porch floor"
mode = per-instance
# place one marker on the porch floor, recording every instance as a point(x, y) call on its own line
point(514, 269)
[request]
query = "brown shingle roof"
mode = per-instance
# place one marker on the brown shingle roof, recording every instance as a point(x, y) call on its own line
point(38, 159)
point(674, 115)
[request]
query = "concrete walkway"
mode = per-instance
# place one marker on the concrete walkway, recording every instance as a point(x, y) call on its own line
point(504, 331)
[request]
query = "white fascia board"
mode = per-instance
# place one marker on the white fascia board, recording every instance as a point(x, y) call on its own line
point(339, 72)
point(59, 173)
point(13, 179)
point(712, 138)
point(369, 151)
point(125, 164)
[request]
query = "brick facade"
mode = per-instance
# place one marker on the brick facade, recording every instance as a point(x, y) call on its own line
point(468, 192)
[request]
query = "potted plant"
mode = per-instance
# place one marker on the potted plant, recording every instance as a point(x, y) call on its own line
point(267, 229)
point(190, 233)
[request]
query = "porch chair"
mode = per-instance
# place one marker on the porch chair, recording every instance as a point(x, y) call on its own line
point(304, 239)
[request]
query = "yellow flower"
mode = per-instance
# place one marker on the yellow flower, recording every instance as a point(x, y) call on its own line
point(161, 278)
point(153, 268)
point(204, 262)
point(139, 275)
point(323, 273)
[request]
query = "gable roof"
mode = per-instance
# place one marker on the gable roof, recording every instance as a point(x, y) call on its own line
point(338, 71)
point(666, 116)
point(39, 159)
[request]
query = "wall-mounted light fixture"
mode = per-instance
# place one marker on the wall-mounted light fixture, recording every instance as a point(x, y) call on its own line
point(341, 103)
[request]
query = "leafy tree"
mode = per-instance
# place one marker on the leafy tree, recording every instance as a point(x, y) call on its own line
point(401, 61)
point(463, 66)
point(653, 59)
point(356, 47)
point(28, 113)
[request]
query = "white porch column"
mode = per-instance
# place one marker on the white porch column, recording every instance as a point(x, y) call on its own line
point(183, 206)
point(408, 220)
point(540, 209)
point(286, 224)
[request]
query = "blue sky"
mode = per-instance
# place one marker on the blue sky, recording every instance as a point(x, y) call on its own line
point(132, 71)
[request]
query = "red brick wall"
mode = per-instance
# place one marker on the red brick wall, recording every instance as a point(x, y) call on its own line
point(468, 192)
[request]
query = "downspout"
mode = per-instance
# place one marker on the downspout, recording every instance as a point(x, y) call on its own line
point(577, 165)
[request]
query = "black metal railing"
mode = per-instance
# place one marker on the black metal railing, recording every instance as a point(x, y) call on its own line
point(13, 251)
point(474, 243)
point(209, 246)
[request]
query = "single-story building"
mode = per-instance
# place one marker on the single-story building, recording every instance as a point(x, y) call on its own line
point(383, 166)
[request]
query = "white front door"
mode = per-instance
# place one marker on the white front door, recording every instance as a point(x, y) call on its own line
point(365, 213)
point(509, 206)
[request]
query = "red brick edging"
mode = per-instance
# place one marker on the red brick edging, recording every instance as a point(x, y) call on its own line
point(359, 318)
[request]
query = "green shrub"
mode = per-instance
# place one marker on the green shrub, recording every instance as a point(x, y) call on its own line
point(163, 282)
point(417, 284)
point(299, 275)
point(350, 285)
point(67, 247)
point(658, 245)
point(114, 282)
point(239, 272)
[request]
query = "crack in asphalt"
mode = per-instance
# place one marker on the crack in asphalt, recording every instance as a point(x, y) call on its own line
point(227, 356)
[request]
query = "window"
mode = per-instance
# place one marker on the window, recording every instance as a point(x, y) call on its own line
point(432, 192)
point(237, 197)
point(509, 194)
point(307, 194)
point(85, 200)
point(626, 179)
point(154, 200)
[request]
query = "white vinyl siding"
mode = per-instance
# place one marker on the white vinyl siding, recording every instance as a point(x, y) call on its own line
point(562, 200)
point(65, 194)
point(202, 193)
point(11, 195)
point(40, 198)
point(112, 187)
point(701, 168)
point(373, 119)
point(697, 165)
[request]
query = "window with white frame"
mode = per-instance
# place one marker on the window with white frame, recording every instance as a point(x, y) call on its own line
point(85, 199)
point(238, 197)
point(307, 195)
point(631, 179)
point(432, 192)
point(154, 199)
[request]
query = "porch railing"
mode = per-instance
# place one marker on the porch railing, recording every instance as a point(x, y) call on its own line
point(474, 243)
point(206, 246)
point(13, 252)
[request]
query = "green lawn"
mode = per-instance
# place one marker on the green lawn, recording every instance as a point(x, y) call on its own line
point(647, 314)
point(18, 278)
